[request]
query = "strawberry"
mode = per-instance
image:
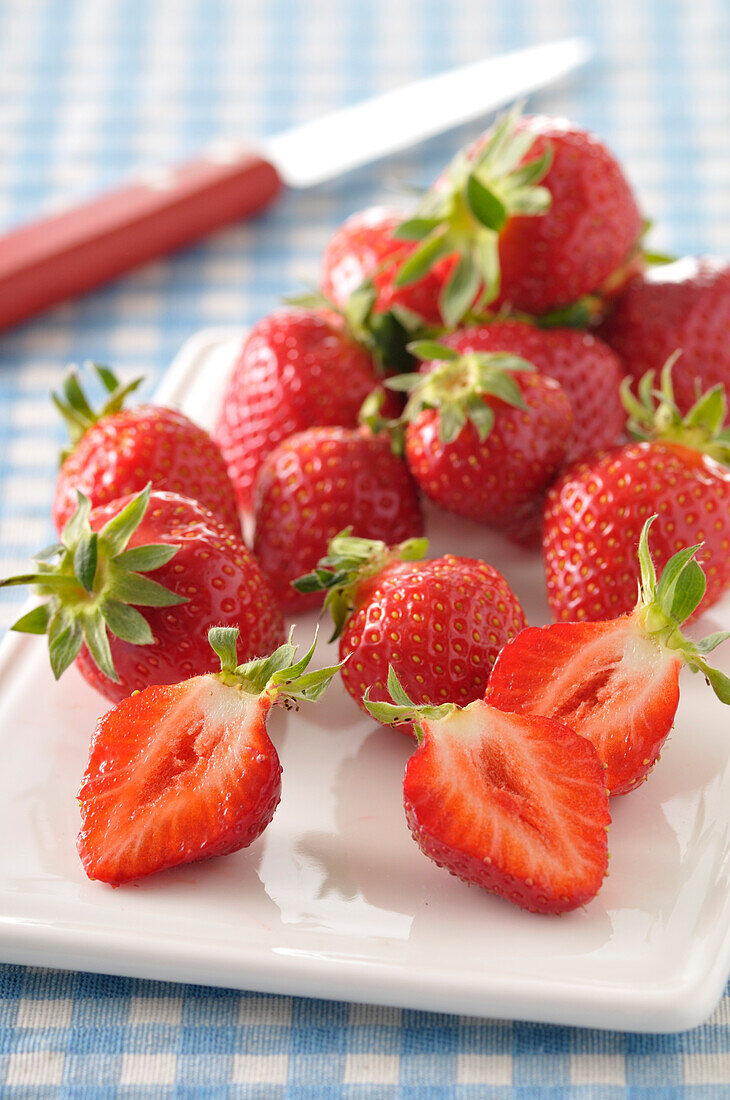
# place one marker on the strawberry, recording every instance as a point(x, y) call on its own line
point(117, 451)
point(595, 512)
point(684, 305)
point(298, 368)
point(539, 213)
point(440, 623)
point(615, 682)
point(481, 439)
point(588, 371)
point(514, 804)
point(94, 584)
point(365, 250)
point(183, 772)
point(316, 483)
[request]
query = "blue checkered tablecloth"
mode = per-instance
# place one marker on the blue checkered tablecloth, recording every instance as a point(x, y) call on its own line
point(92, 90)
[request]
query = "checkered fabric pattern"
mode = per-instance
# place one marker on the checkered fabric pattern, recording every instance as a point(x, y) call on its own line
point(92, 90)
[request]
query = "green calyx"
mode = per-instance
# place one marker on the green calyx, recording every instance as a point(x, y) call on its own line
point(349, 562)
point(75, 409)
point(455, 389)
point(92, 585)
point(664, 605)
point(654, 415)
point(403, 709)
point(467, 217)
point(279, 675)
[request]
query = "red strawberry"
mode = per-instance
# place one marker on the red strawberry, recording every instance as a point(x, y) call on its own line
point(684, 305)
point(297, 369)
point(440, 623)
point(513, 804)
point(116, 451)
point(614, 682)
point(595, 512)
point(589, 232)
point(318, 482)
point(186, 771)
point(479, 440)
point(589, 374)
point(536, 248)
point(93, 582)
point(365, 250)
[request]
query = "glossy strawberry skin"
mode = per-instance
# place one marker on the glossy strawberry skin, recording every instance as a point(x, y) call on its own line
point(224, 586)
point(297, 369)
point(684, 305)
point(365, 247)
point(439, 623)
point(608, 681)
point(168, 782)
point(315, 484)
point(588, 371)
point(593, 520)
point(493, 480)
point(492, 805)
point(590, 229)
point(122, 452)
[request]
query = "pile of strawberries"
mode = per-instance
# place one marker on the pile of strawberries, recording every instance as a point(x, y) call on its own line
point(508, 350)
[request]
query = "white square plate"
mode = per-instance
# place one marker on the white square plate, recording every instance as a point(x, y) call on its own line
point(335, 900)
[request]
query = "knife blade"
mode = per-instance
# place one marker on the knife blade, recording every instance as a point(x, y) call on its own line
point(70, 253)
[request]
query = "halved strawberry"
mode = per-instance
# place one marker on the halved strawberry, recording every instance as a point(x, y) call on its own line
point(517, 805)
point(186, 771)
point(615, 682)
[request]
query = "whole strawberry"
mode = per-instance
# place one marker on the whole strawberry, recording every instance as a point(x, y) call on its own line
point(514, 804)
point(539, 213)
point(117, 451)
point(439, 623)
point(183, 772)
point(485, 434)
point(588, 371)
point(365, 249)
point(95, 582)
point(684, 305)
point(595, 512)
point(318, 482)
point(298, 368)
point(615, 682)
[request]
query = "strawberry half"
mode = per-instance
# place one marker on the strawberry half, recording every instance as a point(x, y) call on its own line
point(514, 804)
point(615, 682)
point(186, 771)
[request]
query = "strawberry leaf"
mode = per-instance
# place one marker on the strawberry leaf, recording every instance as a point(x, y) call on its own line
point(35, 621)
point(689, 590)
point(460, 290)
point(126, 622)
point(65, 638)
point(119, 529)
point(86, 556)
point(485, 205)
point(422, 260)
point(97, 642)
point(144, 559)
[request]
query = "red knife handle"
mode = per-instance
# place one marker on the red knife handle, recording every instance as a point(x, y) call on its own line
point(67, 254)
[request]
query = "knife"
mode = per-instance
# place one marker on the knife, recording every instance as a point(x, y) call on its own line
point(70, 253)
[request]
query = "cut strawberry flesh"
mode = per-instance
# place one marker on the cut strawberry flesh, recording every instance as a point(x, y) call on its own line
point(176, 773)
point(609, 681)
point(516, 805)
